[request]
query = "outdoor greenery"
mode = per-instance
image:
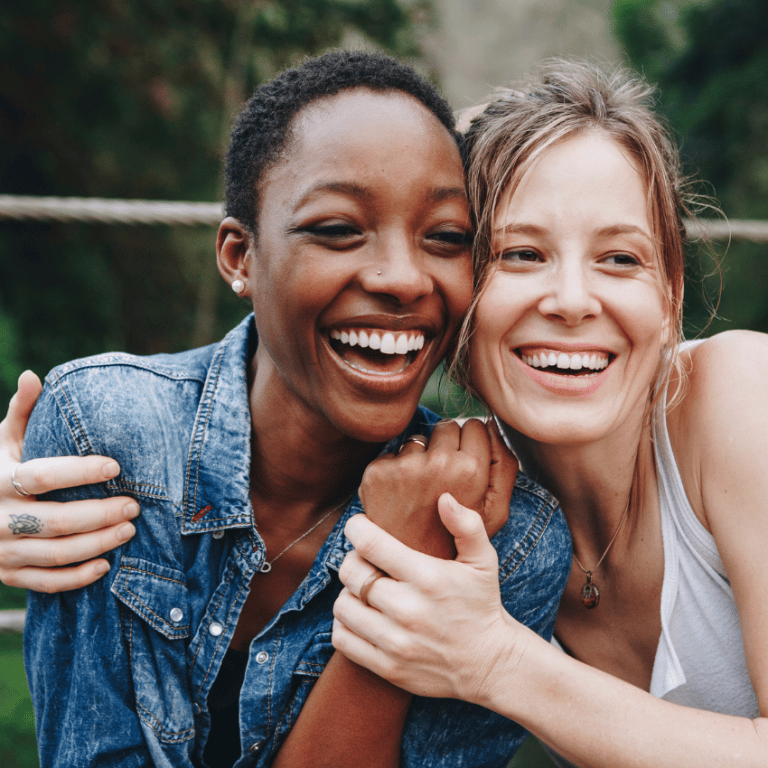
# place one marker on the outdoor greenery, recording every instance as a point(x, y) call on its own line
point(710, 60)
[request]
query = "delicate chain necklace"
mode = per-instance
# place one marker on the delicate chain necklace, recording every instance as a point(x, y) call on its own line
point(590, 594)
point(266, 566)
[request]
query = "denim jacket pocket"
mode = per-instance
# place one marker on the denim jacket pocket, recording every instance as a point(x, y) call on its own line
point(155, 627)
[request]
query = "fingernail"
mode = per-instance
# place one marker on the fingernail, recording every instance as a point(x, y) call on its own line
point(124, 532)
point(453, 505)
point(101, 568)
point(110, 469)
point(131, 510)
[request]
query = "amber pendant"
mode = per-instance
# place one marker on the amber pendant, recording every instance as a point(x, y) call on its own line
point(590, 594)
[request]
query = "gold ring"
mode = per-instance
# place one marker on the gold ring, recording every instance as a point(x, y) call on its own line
point(17, 486)
point(420, 439)
point(367, 584)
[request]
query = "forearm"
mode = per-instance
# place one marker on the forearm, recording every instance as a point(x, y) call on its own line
point(598, 721)
point(351, 718)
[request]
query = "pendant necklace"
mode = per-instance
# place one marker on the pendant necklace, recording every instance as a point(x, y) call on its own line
point(266, 566)
point(590, 594)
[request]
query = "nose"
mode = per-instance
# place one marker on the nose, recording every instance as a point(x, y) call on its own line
point(398, 270)
point(570, 297)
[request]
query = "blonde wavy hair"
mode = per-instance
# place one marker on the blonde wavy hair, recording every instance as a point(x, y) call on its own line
point(565, 98)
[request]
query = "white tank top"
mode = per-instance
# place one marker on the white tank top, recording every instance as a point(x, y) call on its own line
point(700, 658)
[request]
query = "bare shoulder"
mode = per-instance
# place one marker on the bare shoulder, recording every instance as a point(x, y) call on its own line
point(725, 371)
point(718, 430)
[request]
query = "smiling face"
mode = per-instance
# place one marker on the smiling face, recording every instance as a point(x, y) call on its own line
point(569, 329)
point(361, 272)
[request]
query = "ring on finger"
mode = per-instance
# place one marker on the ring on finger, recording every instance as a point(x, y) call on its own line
point(420, 439)
point(367, 584)
point(17, 486)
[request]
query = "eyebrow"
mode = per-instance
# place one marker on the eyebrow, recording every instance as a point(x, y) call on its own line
point(609, 231)
point(352, 189)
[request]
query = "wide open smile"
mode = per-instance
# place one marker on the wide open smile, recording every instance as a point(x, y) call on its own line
point(577, 373)
point(377, 351)
point(587, 363)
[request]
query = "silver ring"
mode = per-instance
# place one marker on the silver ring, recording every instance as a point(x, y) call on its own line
point(420, 439)
point(367, 584)
point(17, 486)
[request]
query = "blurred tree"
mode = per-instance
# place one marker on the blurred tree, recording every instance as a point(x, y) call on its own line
point(134, 98)
point(710, 60)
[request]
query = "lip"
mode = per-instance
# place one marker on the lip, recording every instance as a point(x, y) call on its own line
point(384, 383)
point(561, 384)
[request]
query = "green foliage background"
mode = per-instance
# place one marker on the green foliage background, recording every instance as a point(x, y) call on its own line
point(710, 60)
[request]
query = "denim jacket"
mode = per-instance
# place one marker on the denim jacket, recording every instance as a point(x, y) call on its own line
point(120, 671)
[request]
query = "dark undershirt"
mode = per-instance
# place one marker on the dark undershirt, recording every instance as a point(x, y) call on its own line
point(223, 747)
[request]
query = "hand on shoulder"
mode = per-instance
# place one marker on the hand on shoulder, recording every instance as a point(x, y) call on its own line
point(40, 540)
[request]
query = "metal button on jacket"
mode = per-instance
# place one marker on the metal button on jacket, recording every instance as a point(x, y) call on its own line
point(215, 629)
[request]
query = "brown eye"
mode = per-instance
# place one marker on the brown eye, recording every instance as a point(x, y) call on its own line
point(457, 238)
point(520, 254)
point(622, 260)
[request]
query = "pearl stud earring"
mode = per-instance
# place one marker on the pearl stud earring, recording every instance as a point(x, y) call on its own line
point(238, 286)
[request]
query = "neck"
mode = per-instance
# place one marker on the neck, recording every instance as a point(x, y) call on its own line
point(298, 458)
point(593, 481)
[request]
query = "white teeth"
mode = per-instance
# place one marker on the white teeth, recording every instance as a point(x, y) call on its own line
point(388, 342)
point(575, 362)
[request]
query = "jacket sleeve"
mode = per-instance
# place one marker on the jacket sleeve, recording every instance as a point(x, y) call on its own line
point(77, 652)
point(534, 549)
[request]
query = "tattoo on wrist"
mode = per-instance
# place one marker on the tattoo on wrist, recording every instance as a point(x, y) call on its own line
point(26, 524)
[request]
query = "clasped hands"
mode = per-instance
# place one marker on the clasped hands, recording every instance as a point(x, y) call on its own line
point(418, 625)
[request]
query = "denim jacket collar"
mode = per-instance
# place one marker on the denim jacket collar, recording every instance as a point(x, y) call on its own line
point(217, 489)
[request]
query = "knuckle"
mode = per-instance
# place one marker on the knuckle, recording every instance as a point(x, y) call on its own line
point(55, 524)
point(345, 570)
point(54, 556)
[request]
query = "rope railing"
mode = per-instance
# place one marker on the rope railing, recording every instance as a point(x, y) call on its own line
point(96, 210)
point(12, 620)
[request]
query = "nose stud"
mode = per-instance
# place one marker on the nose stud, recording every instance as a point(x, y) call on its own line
point(379, 272)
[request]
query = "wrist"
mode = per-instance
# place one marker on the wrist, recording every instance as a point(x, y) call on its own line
point(512, 657)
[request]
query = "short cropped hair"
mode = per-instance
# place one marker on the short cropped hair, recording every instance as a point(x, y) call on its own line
point(261, 132)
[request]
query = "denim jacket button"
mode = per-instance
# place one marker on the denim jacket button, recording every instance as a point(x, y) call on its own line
point(261, 657)
point(215, 629)
point(255, 747)
point(218, 534)
point(197, 708)
point(177, 614)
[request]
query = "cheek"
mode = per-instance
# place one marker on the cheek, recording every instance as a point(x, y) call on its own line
point(487, 348)
point(456, 281)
